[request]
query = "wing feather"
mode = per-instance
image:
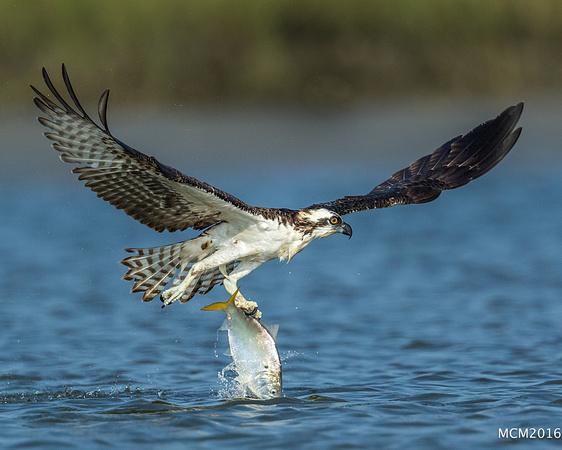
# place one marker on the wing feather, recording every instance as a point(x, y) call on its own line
point(156, 195)
point(454, 164)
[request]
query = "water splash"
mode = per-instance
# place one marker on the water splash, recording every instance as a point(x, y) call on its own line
point(234, 385)
point(71, 393)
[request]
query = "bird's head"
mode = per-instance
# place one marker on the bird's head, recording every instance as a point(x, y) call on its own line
point(320, 223)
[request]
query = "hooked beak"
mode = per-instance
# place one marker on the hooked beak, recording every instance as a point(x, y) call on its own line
point(346, 229)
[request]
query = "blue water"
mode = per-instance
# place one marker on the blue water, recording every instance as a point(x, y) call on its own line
point(434, 326)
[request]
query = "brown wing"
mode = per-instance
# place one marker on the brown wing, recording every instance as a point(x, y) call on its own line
point(156, 195)
point(452, 165)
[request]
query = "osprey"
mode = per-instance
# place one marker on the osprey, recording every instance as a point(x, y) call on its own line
point(237, 238)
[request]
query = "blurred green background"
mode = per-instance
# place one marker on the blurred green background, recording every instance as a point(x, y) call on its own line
point(304, 52)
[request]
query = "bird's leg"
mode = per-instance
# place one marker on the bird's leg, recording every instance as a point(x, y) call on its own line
point(240, 301)
point(174, 293)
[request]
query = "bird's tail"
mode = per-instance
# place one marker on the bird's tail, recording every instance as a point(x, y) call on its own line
point(152, 268)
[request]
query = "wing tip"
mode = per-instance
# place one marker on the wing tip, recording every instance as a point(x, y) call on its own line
point(504, 125)
point(514, 112)
point(102, 109)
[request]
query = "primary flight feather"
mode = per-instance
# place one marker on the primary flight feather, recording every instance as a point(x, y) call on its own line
point(237, 237)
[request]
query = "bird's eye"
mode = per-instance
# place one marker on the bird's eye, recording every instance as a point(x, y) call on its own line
point(335, 220)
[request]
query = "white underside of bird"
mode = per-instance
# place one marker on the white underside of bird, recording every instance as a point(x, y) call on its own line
point(251, 244)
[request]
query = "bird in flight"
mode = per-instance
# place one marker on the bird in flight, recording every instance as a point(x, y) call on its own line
point(237, 238)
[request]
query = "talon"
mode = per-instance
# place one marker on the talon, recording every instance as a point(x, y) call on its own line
point(251, 312)
point(176, 291)
point(242, 303)
point(222, 270)
point(164, 301)
point(255, 313)
point(250, 308)
point(168, 298)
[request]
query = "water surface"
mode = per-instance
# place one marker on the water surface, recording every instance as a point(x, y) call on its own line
point(435, 325)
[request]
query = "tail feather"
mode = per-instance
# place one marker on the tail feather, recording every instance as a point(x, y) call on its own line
point(152, 269)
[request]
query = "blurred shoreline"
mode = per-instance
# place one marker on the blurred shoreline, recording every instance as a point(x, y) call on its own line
point(285, 52)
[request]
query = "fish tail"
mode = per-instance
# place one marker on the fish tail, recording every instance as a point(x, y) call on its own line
point(221, 306)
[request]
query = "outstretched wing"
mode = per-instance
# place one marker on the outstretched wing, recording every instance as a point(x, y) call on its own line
point(156, 195)
point(454, 164)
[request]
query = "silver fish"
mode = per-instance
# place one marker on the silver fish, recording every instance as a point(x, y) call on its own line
point(253, 350)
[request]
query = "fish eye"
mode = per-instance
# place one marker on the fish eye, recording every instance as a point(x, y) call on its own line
point(334, 220)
